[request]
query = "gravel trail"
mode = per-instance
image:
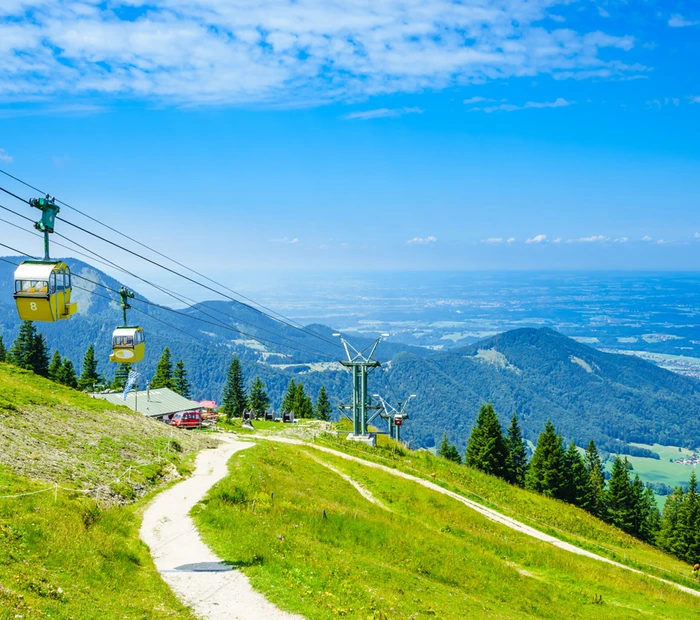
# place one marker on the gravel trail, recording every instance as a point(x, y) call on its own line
point(493, 515)
point(198, 577)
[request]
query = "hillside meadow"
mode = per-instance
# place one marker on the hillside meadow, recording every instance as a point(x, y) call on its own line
point(314, 545)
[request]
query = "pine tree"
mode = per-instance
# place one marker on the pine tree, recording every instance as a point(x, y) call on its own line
point(449, 450)
point(289, 397)
point(179, 382)
point(3, 352)
point(595, 497)
point(668, 536)
point(29, 350)
point(645, 514)
point(618, 497)
point(486, 446)
point(303, 406)
point(55, 367)
point(66, 374)
point(164, 371)
point(121, 375)
point(234, 399)
point(576, 477)
point(323, 408)
point(685, 543)
point(516, 463)
point(547, 472)
point(89, 376)
point(258, 399)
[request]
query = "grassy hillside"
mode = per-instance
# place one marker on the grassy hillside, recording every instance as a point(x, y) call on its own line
point(73, 551)
point(313, 544)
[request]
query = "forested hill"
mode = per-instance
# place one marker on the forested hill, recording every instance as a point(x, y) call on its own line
point(542, 374)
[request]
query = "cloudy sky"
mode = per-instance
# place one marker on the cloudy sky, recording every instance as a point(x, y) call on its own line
point(391, 134)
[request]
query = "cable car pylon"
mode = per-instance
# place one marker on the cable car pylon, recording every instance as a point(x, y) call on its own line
point(360, 365)
point(395, 416)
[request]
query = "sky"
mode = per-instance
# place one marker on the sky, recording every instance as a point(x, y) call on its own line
point(249, 138)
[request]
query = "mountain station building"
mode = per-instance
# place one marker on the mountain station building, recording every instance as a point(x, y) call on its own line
point(160, 404)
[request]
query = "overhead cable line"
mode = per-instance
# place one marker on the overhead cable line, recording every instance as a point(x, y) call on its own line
point(278, 316)
point(180, 298)
point(259, 339)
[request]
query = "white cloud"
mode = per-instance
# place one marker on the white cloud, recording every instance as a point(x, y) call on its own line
point(694, 99)
point(493, 240)
point(291, 241)
point(381, 113)
point(511, 240)
point(474, 100)
point(593, 239)
point(678, 21)
point(696, 235)
point(647, 238)
point(557, 240)
point(661, 241)
point(5, 157)
point(422, 240)
point(287, 52)
point(509, 107)
point(537, 239)
point(621, 240)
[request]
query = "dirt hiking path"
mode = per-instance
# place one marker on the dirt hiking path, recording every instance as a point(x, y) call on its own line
point(198, 577)
point(490, 514)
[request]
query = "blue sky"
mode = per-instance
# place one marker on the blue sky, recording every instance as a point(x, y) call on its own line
point(397, 134)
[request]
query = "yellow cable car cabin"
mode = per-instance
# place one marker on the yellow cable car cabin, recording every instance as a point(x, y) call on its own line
point(43, 290)
point(128, 345)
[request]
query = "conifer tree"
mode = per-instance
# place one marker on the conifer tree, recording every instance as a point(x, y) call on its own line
point(55, 367)
point(164, 371)
point(618, 497)
point(303, 407)
point(645, 514)
point(258, 399)
point(29, 350)
point(234, 399)
point(289, 397)
point(66, 374)
point(89, 376)
point(3, 352)
point(486, 446)
point(121, 375)
point(576, 477)
point(668, 536)
point(449, 451)
point(179, 382)
point(323, 408)
point(685, 538)
point(595, 497)
point(547, 473)
point(516, 463)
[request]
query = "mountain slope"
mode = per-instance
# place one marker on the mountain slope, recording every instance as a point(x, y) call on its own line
point(542, 374)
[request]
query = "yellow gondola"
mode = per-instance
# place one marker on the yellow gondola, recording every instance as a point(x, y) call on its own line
point(128, 345)
point(43, 291)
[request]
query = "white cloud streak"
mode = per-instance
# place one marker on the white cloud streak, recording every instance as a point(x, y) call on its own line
point(422, 240)
point(4, 156)
point(537, 239)
point(493, 240)
point(381, 113)
point(678, 21)
point(647, 238)
point(509, 107)
point(287, 52)
point(593, 239)
point(696, 235)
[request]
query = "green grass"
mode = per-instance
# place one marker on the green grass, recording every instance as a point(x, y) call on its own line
point(68, 558)
point(422, 556)
point(551, 516)
point(73, 554)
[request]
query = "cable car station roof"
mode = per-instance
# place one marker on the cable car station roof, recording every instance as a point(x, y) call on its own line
point(162, 402)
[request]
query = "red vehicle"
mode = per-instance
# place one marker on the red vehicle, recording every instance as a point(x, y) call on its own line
point(186, 419)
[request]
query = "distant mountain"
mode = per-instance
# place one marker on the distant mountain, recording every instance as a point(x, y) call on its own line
point(541, 374)
point(206, 346)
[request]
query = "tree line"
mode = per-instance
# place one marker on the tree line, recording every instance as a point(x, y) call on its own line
point(30, 351)
point(236, 400)
point(562, 472)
